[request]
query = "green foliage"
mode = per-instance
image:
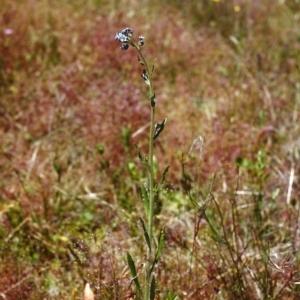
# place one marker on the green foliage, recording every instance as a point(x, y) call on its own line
point(146, 234)
point(152, 205)
point(170, 296)
point(100, 148)
point(134, 276)
point(152, 288)
point(161, 239)
point(258, 167)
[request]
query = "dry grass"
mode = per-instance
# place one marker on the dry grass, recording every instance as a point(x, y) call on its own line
point(70, 105)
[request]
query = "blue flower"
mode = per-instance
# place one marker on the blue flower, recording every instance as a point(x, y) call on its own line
point(128, 32)
point(124, 37)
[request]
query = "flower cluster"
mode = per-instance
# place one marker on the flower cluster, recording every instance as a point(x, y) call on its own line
point(124, 37)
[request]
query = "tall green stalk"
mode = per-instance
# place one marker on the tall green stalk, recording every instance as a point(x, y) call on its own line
point(148, 196)
point(151, 174)
point(151, 142)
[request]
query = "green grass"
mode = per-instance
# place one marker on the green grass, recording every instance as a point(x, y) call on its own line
point(72, 107)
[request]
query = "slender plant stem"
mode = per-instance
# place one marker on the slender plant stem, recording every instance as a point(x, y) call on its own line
point(151, 204)
point(151, 174)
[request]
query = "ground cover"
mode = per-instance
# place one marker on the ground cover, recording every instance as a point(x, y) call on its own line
point(72, 108)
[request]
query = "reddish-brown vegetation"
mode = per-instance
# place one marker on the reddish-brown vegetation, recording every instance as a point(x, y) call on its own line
point(72, 106)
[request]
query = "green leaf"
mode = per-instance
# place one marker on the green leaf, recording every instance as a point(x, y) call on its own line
point(161, 240)
point(160, 246)
point(152, 288)
point(134, 273)
point(131, 265)
point(146, 234)
point(164, 175)
point(158, 186)
point(145, 199)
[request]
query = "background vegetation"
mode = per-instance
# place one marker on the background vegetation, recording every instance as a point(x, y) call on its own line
point(72, 106)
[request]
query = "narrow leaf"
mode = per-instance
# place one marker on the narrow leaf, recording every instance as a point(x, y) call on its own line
point(152, 288)
point(160, 246)
point(145, 198)
point(133, 273)
point(158, 186)
point(152, 69)
point(163, 178)
point(146, 234)
point(161, 240)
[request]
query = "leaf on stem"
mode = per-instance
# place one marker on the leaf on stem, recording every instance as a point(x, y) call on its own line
point(159, 128)
point(161, 240)
point(134, 273)
point(152, 69)
point(163, 178)
point(146, 234)
point(152, 288)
